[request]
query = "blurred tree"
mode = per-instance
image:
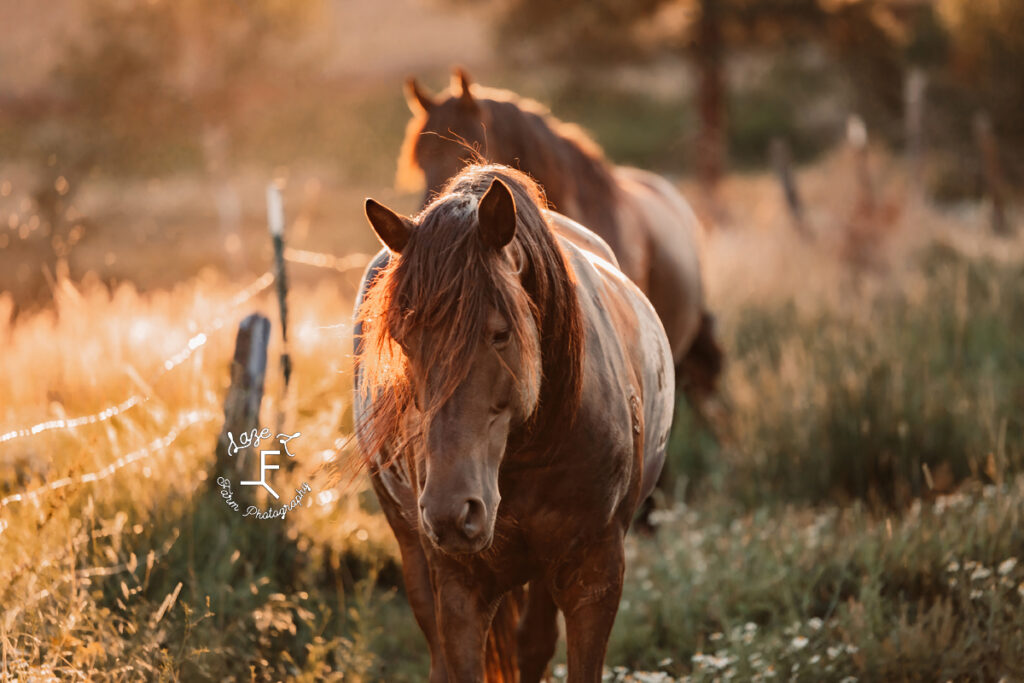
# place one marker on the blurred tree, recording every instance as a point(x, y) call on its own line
point(145, 69)
point(140, 84)
point(872, 39)
point(148, 84)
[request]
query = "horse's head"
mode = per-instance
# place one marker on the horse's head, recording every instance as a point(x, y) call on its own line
point(446, 133)
point(457, 342)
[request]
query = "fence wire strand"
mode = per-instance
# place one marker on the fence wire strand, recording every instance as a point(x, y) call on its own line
point(342, 264)
point(194, 343)
point(191, 418)
point(310, 258)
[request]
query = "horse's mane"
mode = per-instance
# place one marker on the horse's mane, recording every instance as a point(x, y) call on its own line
point(524, 134)
point(433, 300)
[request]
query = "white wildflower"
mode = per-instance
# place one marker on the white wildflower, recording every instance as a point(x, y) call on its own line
point(798, 643)
point(981, 573)
point(1007, 565)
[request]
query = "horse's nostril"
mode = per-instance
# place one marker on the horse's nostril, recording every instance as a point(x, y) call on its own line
point(471, 519)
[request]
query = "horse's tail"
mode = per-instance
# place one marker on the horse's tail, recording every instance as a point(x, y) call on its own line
point(501, 660)
point(699, 370)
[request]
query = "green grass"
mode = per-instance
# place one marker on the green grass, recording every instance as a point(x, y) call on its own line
point(822, 594)
point(905, 391)
point(857, 512)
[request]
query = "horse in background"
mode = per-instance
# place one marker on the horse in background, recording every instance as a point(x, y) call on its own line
point(649, 226)
point(514, 394)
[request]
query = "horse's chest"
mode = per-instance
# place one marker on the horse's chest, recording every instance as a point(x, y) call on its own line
point(582, 491)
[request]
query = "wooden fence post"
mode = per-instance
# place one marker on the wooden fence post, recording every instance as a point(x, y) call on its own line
point(242, 405)
point(782, 162)
point(857, 137)
point(995, 185)
point(915, 88)
point(275, 222)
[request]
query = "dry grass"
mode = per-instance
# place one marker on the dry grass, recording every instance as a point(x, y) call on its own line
point(144, 573)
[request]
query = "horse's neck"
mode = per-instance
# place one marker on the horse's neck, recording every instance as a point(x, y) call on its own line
point(563, 170)
point(541, 155)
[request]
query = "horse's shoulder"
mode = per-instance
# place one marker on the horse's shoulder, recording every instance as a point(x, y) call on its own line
point(377, 264)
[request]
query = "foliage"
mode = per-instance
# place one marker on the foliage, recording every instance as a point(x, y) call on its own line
point(917, 392)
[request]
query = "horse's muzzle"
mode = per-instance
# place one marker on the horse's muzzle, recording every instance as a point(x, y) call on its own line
point(458, 530)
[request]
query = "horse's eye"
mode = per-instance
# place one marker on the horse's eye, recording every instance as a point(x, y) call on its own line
point(501, 338)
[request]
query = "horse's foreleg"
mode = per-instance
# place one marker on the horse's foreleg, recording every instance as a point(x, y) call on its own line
point(538, 633)
point(589, 597)
point(416, 574)
point(417, 587)
point(463, 619)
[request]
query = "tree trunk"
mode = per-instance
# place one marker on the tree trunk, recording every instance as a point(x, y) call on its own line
point(710, 96)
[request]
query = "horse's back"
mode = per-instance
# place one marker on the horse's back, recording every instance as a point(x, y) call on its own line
point(582, 237)
point(632, 356)
point(673, 233)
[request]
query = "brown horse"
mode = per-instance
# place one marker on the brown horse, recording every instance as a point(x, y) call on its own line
point(514, 393)
point(641, 216)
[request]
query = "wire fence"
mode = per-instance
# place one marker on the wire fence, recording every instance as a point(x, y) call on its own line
point(189, 419)
point(197, 341)
point(341, 264)
point(161, 444)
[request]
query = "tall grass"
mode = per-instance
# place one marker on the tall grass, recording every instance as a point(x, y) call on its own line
point(146, 572)
point(854, 510)
point(902, 392)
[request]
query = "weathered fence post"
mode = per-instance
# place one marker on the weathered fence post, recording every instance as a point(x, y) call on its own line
point(857, 137)
point(275, 221)
point(995, 185)
point(782, 162)
point(914, 92)
point(242, 405)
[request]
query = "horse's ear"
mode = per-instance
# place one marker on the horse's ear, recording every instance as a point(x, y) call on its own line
point(497, 215)
point(392, 229)
point(460, 87)
point(418, 100)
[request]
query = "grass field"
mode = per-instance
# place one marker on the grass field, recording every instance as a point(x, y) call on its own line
point(853, 512)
